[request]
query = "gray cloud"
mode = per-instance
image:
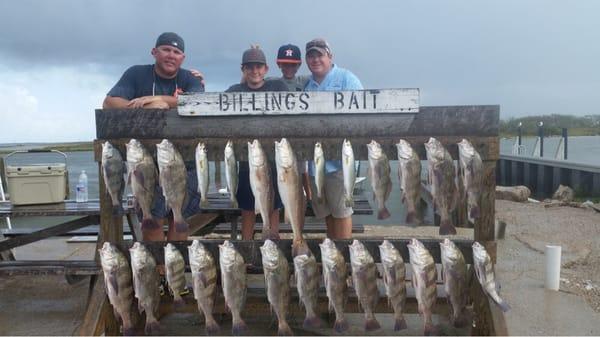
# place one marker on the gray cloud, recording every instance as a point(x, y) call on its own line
point(530, 57)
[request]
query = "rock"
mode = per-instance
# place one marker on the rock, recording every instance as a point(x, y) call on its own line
point(564, 193)
point(512, 193)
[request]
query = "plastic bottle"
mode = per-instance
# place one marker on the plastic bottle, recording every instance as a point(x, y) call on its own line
point(82, 188)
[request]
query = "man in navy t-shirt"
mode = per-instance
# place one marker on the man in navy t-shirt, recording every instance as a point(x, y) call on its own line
point(155, 86)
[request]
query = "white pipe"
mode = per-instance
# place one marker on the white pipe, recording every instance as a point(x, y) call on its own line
point(553, 267)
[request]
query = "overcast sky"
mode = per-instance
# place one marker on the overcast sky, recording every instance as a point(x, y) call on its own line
point(59, 58)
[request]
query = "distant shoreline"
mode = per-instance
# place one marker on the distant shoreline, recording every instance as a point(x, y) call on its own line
point(63, 147)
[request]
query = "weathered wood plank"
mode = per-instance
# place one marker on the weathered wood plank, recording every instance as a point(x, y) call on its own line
point(252, 256)
point(488, 147)
point(46, 267)
point(47, 232)
point(304, 103)
point(98, 309)
point(475, 121)
point(311, 228)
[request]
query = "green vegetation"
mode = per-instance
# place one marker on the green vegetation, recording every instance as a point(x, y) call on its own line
point(577, 126)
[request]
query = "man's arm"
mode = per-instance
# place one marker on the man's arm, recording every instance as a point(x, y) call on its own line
point(146, 102)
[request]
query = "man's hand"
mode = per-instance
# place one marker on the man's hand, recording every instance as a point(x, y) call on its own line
point(199, 75)
point(148, 102)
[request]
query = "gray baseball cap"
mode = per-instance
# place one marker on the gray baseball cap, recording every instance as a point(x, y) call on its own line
point(254, 55)
point(319, 45)
point(170, 39)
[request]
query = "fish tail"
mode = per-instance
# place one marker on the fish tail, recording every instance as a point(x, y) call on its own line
point(181, 226)
point(152, 328)
point(129, 331)
point(117, 210)
point(283, 329)
point(299, 247)
point(349, 201)
point(447, 228)
point(340, 325)
point(411, 217)
point(234, 203)
point(383, 213)
point(204, 203)
point(502, 304)
point(149, 224)
point(371, 324)
point(312, 321)
point(461, 320)
point(430, 330)
point(178, 301)
point(238, 327)
point(212, 328)
point(400, 324)
point(474, 212)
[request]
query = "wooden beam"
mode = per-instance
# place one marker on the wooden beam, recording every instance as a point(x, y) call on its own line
point(47, 232)
point(95, 320)
point(251, 252)
point(49, 267)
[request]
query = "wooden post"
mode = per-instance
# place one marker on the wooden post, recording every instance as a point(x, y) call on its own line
point(484, 233)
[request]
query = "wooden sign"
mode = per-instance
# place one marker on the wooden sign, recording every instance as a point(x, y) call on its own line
point(299, 102)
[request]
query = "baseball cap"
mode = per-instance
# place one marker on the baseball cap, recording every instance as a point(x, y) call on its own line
point(289, 54)
point(170, 39)
point(319, 45)
point(254, 55)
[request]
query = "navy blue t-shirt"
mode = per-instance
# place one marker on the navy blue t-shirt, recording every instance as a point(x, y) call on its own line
point(139, 81)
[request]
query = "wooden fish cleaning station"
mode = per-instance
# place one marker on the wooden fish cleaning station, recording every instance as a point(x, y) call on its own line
point(304, 118)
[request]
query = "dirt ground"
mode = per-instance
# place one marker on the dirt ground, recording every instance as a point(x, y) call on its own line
point(576, 230)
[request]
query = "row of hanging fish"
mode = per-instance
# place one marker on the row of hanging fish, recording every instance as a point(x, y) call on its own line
point(121, 285)
point(447, 187)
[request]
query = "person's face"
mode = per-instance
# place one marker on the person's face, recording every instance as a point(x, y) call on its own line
point(318, 64)
point(254, 73)
point(168, 60)
point(289, 70)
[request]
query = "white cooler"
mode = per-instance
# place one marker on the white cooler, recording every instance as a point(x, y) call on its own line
point(37, 183)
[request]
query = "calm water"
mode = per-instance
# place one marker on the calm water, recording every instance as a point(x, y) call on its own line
point(581, 149)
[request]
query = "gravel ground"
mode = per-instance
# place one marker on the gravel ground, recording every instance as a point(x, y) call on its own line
point(576, 230)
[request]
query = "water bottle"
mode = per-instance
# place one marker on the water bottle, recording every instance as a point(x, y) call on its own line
point(82, 188)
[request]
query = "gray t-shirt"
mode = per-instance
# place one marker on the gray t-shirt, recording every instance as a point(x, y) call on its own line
point(295, 84)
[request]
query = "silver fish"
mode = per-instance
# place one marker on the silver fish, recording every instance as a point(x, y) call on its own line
point(277, 281)
point(145, 283)
point(454, 271)
point(409, 172)
point(175, 273)
point(319, 159)
point(262, 186)
point(307, 283)
point(173, 179)
point(335, 274)
point(485, 274)
point(291, 191)
point(231, 173)
point(424, 282)
point(394, 275)
point(119, 288)
point(204, 276)
point(364, 279)
point(113, 170)
point(202, 174)
point(349, 172)
point(472, 176)
point(443, 185)
point(379, 175)
point(233, 280)
point(142, 177)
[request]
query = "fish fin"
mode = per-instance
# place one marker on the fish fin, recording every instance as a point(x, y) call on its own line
point(400, 324)
point(129, 331)
point(234, 203)
point(113, 281)
point(312, 322)
point(390, 275)
point(374, 196)
point(371, 324)
point(283, 329)
point(502, 304)
point(178, 302)
point(238, 328)
point(204, 203)
point(341, 325)
point(149, 224)
point(461, 320)
point(383, 213)
point(447, 228)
